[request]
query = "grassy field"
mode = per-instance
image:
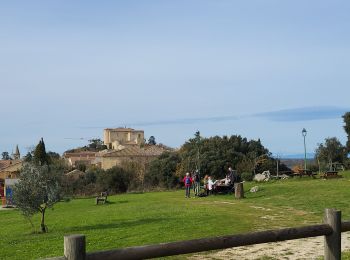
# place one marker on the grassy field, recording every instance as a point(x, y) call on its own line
point(139, 219)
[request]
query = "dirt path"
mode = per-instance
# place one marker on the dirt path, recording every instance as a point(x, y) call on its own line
point(306, 248)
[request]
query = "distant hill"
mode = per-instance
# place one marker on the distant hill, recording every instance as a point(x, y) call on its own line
point(290, 162)
point(299, 156)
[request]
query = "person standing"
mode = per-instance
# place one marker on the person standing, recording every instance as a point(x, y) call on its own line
point(196, 182)
point(230, 175)
point(205, 185)
point(210, 185)
point(188, 182)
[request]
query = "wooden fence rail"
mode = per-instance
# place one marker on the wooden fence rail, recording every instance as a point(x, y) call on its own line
point(74, 245)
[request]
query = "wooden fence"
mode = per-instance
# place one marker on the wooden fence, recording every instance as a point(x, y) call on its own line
point(74, 245)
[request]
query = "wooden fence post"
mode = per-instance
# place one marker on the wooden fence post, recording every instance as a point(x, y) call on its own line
point(239, 191)
point(332, 243)
point(74, 247)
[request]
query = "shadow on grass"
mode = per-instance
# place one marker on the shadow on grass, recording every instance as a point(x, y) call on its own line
point(116, 224)
point(108, 202)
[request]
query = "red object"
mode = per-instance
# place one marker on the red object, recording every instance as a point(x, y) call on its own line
point(189, 183)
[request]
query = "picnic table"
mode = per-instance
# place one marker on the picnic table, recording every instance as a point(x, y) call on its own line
point(222, 188)
point(301, 173)
point(330, 174)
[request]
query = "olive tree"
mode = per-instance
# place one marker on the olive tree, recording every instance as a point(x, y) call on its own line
point(37, 190)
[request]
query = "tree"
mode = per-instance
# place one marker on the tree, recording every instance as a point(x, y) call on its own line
point(37, 190)
point(162, 171)
point(5, 156)
point(115, 179)
point(346, 118)
point(331, 151)
point(152, 140)
point(28, 157)
point(40, 157)
point(218, 153)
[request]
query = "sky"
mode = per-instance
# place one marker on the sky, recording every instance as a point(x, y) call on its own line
point(259, 69)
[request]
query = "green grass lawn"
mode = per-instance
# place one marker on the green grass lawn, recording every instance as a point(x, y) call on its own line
point(139, 219)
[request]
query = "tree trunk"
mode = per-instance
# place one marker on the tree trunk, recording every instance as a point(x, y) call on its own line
point(43, 227)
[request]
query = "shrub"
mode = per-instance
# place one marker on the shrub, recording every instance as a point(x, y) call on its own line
point(247, 176)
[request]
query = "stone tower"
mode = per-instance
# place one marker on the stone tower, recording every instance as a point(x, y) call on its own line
point(16, 155)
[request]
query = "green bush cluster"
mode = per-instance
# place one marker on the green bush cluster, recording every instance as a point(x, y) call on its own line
point(247, 176)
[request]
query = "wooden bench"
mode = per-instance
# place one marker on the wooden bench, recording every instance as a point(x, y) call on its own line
point(102, 198)
point(330, 174)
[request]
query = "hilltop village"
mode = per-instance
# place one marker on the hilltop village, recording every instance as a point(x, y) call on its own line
point(119, 145)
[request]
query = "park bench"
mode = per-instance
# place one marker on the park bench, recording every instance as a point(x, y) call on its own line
point(102, 198)
point(330, 174)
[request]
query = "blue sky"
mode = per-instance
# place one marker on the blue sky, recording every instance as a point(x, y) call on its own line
point(261, 69)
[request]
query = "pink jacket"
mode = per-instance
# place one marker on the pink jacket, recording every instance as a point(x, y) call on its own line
point(190, 182)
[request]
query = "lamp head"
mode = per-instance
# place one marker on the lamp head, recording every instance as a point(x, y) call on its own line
point(304, 132)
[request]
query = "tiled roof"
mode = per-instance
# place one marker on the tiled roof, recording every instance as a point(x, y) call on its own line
point(10, 165)
point(80, 154)
point(5, 163)
point(134, 151)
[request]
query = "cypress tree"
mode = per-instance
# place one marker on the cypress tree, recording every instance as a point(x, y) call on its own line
point(40, 156)
point(346, 118)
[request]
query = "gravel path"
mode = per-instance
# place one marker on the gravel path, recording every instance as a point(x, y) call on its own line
point(306, 248)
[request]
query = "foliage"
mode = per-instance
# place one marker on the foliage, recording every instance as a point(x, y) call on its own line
point(37, 190)
point(115, 180)
point(137, 167)
point(247, 176)
point(162, 171)
point(40, 157)
point(81, 166)
point(28, 157)
point(96, 144)
point(218, 153)
point(52, 156)
point(5, 156)
point(152, 140)
point(346, 118)
point(331, 151)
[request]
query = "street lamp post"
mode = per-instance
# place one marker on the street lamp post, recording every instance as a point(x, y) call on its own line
point(304, 134)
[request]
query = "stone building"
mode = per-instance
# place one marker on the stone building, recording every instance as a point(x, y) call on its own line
point(81, 157)
point(114, 137)
point(136, 153)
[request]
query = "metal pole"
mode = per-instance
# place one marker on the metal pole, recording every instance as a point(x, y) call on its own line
point(304, 154)
point(277, 166)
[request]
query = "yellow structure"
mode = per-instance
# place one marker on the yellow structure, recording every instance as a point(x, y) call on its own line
point(114, 137)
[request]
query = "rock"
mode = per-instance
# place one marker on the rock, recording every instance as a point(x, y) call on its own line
point(264, 176)
point(284, 176)
point(254, 189)
point(259, 177)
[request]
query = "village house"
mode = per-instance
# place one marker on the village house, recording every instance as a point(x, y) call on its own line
point(9, 174)
point(80, 157)
point(127, 153)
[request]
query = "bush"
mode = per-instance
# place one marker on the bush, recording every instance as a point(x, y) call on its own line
point(115, 180)
point(247, 176)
